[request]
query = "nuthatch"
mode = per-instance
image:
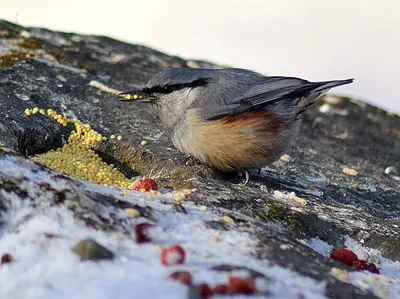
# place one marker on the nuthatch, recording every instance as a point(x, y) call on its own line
point(230, 119)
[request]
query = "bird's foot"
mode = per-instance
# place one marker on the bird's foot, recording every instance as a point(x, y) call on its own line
point(191, 161)
point(247, 177)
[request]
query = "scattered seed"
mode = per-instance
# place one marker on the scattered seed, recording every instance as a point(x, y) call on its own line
point(350, 171)
point(286, 158)
point(227, 219)
point(203, 208)
point(132, 212)
point(391, 170)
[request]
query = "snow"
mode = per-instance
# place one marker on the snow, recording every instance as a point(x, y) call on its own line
point(40, 236)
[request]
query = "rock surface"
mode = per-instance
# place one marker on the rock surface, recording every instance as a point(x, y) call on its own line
point(336, 167)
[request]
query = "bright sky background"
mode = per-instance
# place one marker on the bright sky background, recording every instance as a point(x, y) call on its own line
point(312, 39)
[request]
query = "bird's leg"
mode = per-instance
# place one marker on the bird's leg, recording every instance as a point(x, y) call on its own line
point(247, 176)
point(246, 173)
point(259, 171)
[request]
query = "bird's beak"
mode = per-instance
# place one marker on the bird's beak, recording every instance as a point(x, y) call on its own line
point(136, 95)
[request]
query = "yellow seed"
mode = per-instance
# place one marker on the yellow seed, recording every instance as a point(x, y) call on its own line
point(227, 219)
point(203, 208)
point(112, 137)
point(350, 171)
point(132, 212)
point(143, 143)
point(35, 110)
point(179, 196)
point(119, 137)
point(340, 274)
point(76, 158)
point(215, 239)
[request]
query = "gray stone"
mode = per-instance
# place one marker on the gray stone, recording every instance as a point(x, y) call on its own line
point(91, 250)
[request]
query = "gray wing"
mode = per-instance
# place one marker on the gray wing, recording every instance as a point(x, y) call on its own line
point(268, 89)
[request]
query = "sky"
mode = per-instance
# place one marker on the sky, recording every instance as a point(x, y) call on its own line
point(312, 39)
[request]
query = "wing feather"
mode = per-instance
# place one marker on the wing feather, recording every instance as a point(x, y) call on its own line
point(272, 89)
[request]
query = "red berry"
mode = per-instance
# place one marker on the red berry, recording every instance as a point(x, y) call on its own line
point(240, 285)
point(142, 234)
point(6, 258)
point(364, 265)
point(183, 277)
point(221, 289)
point(345, 256)
point(173, 255)
point(146, 184)
point(204, 290)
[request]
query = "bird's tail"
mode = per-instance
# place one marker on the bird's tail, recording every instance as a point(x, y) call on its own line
point(325, 86)
point(316, 90)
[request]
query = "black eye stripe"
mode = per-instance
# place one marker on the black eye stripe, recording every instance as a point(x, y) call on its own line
point(174, 87)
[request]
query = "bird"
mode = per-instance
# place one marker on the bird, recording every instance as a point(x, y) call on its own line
point(230, 119)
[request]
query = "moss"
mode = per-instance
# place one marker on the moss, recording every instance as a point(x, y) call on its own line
point(27, 48)
point(4, 33)
point(282, 213)
point(31, 43)
point(59, 55)
point(87, 68)
point(377, 110)
point(14, 57)
point(393, 131)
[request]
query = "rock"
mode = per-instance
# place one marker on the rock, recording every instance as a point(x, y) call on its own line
point(364, 187)
point(45, 69)
point(91, 250)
